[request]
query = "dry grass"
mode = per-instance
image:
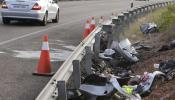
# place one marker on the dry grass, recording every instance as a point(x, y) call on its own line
point(164, 18)
point(133, 32)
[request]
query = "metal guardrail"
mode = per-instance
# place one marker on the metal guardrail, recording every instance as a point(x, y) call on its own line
point(65, 71)
point(50, 91)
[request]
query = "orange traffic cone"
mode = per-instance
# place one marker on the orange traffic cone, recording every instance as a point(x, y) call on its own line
point(87, 29)
point(92, 26)
point(44, 65)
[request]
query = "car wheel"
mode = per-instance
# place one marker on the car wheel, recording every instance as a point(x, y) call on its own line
point(56, 20)
point(44, 22)
point(6, 20)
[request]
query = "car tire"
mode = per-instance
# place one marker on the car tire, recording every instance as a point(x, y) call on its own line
point(56, 20)
point(44, 21)
point(6, 20)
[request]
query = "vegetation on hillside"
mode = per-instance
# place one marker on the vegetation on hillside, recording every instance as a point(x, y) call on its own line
point(164, 18)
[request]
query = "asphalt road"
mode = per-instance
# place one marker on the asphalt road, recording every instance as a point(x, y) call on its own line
point(16, 79)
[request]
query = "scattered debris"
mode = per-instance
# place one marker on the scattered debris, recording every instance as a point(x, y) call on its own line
point(148, 28)
point(166, 47)
point(98, 85)
point(127, 50)
point(142, 46)
point(115, 80)
point(107, 54)
point(168, 67)
point(101, 85)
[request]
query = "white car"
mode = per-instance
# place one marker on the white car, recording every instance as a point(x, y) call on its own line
point(41, 10)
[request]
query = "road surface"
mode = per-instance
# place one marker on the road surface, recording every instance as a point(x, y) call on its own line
point(20, 44)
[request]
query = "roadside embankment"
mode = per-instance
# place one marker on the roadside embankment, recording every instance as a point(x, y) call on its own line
point(165, 19)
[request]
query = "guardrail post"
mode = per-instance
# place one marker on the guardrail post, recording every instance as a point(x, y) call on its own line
point(76, 74)
point(117, 28)
point(88, 60)
point(149, 9)
point(167, 3)
point(62, 90)
point(108, 29)
point(127, 18)
point(97, 45)
point(143, 11)
point(134, 14)
point(131, 16)
point(152, 7)
point(140, 11)
point(121, 18)
point(164, 4)
point(155, 6)
point(146, 9)
point(159, 4)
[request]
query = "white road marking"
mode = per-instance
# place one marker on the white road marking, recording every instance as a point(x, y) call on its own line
point(57, 26)
point(59, 41)
point(71, 47)
point(55, 55)
point(1, 52)
point(33, 33)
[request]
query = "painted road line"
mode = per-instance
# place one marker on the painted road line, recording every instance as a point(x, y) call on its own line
point(55, 54)
point(46, 29)
point(36, 32)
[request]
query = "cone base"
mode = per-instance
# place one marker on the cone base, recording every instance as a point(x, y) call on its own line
point(43, 74)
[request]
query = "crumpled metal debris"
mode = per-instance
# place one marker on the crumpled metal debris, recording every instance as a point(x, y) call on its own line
point(168, 67)
point(119, 53)
point(148, 28)
point(127, 50)
point(142, 46)
point(107, 54)
point(168, 46)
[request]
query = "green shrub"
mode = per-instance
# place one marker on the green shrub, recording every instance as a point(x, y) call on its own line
point(167, 18)
point(164, 18)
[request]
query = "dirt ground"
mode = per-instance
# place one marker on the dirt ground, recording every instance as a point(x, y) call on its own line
point(165, 90)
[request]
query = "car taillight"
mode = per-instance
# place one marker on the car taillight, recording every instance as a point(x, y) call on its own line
point(36, 7)
point(4, 5)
